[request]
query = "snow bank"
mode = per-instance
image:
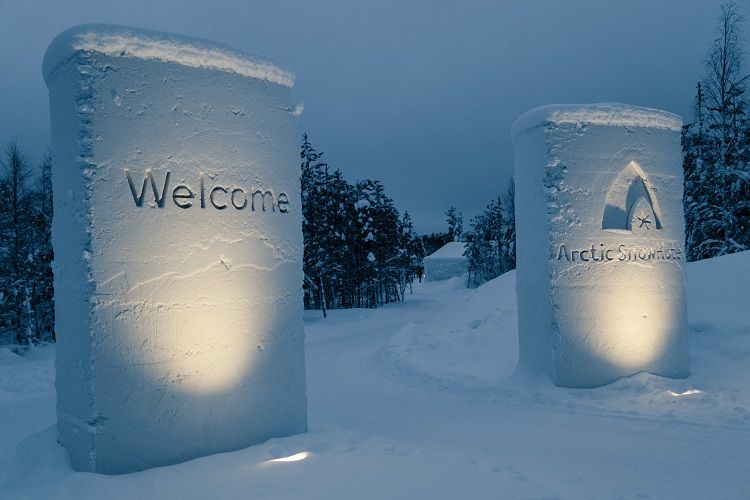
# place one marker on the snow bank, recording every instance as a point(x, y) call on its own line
point(177, 237)
point(600, 254)
point(470, 345)
point(121, 41)
point(718, 290)
point(447, 262)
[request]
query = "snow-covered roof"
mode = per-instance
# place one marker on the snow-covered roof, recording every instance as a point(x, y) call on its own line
point(120, 41)
point(608, 113)
point(452, 250)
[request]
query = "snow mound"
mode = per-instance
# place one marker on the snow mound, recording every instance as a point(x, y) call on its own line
point(120, 41)
point(38, 362)
point(452, 283)
point(717, 290)
point(608, 114)
point(471, 345)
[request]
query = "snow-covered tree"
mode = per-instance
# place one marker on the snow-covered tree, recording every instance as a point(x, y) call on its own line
point(358, 252)
point(716, 147)
point(41, 296)
point(455, 220)
point(491, 245)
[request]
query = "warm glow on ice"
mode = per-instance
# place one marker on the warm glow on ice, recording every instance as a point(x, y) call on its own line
point(638, 321)
point(207, 335)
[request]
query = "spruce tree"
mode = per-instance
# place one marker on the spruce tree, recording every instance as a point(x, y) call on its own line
point(358, 250)
point(14, 236)
point(715, 146)
point(455, 219)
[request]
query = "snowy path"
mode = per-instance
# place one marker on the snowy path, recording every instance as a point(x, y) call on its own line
point(413, 400)
point(548, 450)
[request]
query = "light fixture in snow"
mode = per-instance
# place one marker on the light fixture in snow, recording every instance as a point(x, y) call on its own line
point(689, 392)
point(292, 458)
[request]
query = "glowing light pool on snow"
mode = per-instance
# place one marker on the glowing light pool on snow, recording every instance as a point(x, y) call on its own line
point(292, 458)
point(689, 392)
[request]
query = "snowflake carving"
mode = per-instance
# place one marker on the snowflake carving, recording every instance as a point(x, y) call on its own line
point(644, 220)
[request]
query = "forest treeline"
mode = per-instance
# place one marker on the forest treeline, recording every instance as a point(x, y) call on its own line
point(359, 250)
point(491, 243)
point(716, 149)
point(26, 305)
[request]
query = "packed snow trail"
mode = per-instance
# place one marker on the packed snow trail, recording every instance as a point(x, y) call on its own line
point(418, 400)
point(568, 452)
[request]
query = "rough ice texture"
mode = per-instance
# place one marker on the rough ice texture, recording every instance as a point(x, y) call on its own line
point(179, 329)
point(120, 41)
point(609, 114)
point(446, 262)
point(589, 184)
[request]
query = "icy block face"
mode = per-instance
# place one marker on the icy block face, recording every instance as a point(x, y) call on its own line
point(447, 262)
point(178, 244)
point(600, 252)
point(443, 269)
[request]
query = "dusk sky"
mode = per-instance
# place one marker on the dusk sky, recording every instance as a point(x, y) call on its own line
point(418, 94)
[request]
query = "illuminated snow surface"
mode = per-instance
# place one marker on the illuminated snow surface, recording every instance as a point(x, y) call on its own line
point(419, 400)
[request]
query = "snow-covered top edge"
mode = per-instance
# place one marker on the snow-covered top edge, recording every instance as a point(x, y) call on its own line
point(608, 114)
point(121, 41)
point(451, 250)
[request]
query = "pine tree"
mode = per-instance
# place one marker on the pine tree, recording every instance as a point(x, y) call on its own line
point(716, 153)
point(312, 225)
point(434, 241)
point(491, 246)
point(372, 243)
point(42, 255)
point(413, 253)
point(455, 219)
point(358, 251)
point(15, 241)
point(507, 237)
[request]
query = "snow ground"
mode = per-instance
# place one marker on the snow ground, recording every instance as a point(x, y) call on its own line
point(421, 400)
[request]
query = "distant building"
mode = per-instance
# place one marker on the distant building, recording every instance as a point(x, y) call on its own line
point(446, 263)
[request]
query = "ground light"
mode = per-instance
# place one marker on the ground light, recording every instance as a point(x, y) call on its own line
point(689, 392)
point(292, 458)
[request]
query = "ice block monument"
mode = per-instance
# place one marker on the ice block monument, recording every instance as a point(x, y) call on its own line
point(600, 231)
point(178, 243)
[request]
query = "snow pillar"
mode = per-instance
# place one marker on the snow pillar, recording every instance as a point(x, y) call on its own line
point(178, 244)
point(600, 232)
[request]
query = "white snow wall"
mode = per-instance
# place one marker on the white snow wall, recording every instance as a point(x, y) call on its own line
point(178, 289)
point(439, 269)
point(600, 232)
